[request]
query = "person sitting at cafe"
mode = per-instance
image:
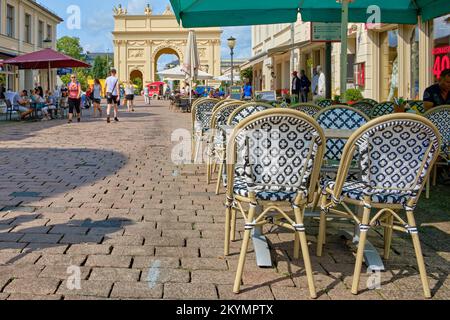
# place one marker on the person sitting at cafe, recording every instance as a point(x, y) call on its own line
point(19, 103)
point(49, 107)
point(438, 94)
point(38, 100)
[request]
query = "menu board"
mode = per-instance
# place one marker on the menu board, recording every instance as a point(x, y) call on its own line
point(236, 92)
point(266, 95)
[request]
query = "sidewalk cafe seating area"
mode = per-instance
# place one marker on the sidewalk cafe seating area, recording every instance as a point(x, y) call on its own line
point(367, 163)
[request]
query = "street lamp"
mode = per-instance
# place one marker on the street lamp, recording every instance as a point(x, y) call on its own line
point(232, 45)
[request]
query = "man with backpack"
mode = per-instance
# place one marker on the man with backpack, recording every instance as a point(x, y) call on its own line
point(112, 95)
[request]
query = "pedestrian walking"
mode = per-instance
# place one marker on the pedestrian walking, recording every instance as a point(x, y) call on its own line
point(305, 86)
point(74, 89)
point(146, 95)
point(112, 94)
point(129, 96)
point(296, 85)
point(97, 96)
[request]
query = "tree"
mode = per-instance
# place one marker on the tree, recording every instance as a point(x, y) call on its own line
point(70, 46)
point(101, 67)
point(247, 74)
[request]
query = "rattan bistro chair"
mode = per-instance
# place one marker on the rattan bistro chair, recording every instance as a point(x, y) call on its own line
point(382, 109)
point(364, 107)
point(308, 108)
point(201, 118)
point(216, 140)
point(325, 103)
point(397, 153)
point(440, 117)
point(372, 102)
point(343, 118)
point(418, 104)
point(274, 158)
point(240, 114)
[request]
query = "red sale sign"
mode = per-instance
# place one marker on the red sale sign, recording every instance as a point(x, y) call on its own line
point(441, 60)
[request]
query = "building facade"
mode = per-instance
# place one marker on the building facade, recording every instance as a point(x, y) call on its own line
point(384, 61)
point(140, 40)
point(25, 27)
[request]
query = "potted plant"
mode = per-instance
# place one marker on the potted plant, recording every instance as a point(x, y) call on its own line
point(337, 99)
point(353, 95)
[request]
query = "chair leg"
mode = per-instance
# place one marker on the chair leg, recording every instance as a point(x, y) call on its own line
point(243, 255)
point(305, 251)
point(219, 178)
point(296, 246)
point(419, 255)
point(388, 237)
point(233, 224)
point(427, 193)
point(361, 247)
point(193, 146)
point(434, 175)
point(322, 228)
point(208, 170)
point(227, 230)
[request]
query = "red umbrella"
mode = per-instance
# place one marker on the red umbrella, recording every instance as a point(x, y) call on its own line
point(44, 59)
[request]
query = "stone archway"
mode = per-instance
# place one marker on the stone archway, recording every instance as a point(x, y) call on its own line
point(140, 39)
point(159, 51)
point(137, 78)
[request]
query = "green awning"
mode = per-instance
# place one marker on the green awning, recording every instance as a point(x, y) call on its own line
point(213, 13)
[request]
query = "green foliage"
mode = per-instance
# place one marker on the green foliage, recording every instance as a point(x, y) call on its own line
point(101, 67)
point(70, 46)
point(247, 74)
point(139, 84)
point(353, 95)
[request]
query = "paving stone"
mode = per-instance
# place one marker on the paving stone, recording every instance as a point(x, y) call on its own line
point(136, 290)
point(94, 288)
point(35, 287)
point(108, 261)
point(184, 291)
point(115, 274)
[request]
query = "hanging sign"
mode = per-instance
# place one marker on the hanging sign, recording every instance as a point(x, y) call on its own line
point(325, 32)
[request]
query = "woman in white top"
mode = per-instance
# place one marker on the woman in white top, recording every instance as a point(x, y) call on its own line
point(97, 97)
point(129, 95)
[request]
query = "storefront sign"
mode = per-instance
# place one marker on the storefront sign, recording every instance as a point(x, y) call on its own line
point(236, 93)
point(266, 95)
point(441, 60)
point(325, 32)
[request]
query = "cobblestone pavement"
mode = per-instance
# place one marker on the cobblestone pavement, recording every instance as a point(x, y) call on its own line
point(107, 198)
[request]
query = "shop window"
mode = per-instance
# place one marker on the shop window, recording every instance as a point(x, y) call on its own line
point(441, 45)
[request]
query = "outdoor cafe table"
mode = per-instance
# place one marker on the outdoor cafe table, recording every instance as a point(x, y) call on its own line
point(260, 244)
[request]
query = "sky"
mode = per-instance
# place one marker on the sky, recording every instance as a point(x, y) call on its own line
point(97, 24)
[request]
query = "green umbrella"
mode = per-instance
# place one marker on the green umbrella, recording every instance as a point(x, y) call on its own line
point(213, 13)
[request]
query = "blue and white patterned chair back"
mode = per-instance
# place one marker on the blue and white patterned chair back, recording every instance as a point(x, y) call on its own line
point(325, 103)
point(201, 114)
point(246, 111)
point(383, 109)
point(440, 117)
point(419, 105)
point(279, 150)
point(396, 155)
point(310, 109)
point(343, 118)
point(372, 102)
point(224, 112)
point(364, 107)
point(223, 102)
